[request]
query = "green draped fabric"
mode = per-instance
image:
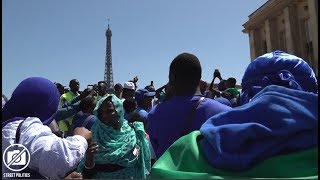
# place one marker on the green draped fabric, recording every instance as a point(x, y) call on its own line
point(185, 160)
point(116, 147)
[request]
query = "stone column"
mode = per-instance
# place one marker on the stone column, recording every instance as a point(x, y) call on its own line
point(252, 44)
point(288, 30)
point(271, 34)
point(313, 14)
point(268, 35)
point(294, 27)
point(258, 42)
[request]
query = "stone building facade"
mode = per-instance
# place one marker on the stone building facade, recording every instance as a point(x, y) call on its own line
point(287, 25)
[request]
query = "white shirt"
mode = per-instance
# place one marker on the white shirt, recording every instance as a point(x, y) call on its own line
point(155, 101)
point(51, 155)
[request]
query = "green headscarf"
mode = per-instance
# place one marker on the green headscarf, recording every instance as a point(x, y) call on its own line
point(116, 147)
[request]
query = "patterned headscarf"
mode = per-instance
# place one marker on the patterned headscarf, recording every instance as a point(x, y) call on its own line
point(33, 97)
point(117, 147)
point(277, 68)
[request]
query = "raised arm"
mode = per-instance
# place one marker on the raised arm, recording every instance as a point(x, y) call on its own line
point(51, 156)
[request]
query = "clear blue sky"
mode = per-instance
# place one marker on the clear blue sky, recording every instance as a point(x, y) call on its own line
point(62, 40)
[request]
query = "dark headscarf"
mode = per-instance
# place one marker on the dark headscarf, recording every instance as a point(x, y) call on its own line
point(33, 97)
point(277, 68)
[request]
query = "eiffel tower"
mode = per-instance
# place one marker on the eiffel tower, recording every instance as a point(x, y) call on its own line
point(108, 73)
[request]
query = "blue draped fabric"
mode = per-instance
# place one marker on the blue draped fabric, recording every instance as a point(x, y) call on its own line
point(278, 120)
point(33, 97)
point(277, 68)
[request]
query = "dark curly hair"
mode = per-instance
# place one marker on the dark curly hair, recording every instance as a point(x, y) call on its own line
point(87, 104)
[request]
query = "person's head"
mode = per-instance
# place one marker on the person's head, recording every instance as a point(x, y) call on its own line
point(185, 74)
point(110, 90)
point(60, 88)
point(231, 82)
point(33, 97)
point(109, 111)
point(277, 68)
point(74, 85)
point(128, 90)
point(129, 105)
point(84, 120)
point(144, 98)
point(95, 87)
point(203, 86)
point(169, 92)
point(150, 88)
point(87, 104)
point(102, 88)
point(222, 85)
point(118, 89)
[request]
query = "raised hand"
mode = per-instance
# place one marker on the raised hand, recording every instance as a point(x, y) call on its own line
point(74, 175)
point(84, 132)
point(92, 149)
point(217, 74)
point(135, 79)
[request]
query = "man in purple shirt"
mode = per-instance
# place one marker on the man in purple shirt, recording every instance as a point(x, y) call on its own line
point(166, 121)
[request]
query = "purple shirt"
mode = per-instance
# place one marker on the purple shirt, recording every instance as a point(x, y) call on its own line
point(166, 120)
point(142, 112)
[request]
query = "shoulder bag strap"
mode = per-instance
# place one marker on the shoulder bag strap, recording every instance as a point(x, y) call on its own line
point(84, 124)
point(18, 133)
point(33, 173)
point(188, 122)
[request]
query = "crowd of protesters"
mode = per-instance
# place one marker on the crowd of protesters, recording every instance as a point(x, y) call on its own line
point(187, 128)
